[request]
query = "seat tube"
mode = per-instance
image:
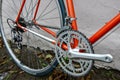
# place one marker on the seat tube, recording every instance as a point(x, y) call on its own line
point(20, 11)
point(71, 13)
point(37, 7)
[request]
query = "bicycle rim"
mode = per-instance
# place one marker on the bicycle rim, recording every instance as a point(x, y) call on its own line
point(31, 53)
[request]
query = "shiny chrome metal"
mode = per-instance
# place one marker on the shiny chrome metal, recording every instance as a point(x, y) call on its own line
point(41, 36)
point(100, 57)
point(37, 34)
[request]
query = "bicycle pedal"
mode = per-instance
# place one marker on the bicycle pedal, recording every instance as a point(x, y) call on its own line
point(100, 57)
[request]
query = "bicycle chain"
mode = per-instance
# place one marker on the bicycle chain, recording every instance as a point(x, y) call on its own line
point(98, 66)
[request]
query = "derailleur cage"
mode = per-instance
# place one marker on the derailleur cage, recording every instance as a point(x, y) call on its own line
point(17, 37)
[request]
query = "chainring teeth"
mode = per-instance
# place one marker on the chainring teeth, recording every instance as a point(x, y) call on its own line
point(74, 67)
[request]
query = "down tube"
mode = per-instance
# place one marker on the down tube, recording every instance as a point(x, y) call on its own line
point(105, 29)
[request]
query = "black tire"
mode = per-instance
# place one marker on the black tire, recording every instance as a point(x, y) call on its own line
point(16, 48)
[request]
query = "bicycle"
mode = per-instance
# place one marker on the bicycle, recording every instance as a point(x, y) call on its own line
point(45, 33)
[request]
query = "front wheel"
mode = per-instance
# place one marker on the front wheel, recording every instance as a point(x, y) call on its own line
point(31, 53)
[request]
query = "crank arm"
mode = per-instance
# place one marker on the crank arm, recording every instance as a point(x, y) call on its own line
point(100, 57)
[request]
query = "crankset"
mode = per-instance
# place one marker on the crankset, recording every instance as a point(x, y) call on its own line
point(75, 54)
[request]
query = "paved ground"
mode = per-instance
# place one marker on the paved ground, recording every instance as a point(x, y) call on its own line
point(92, 14)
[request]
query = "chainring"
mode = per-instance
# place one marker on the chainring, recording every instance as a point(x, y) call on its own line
point(75, 67)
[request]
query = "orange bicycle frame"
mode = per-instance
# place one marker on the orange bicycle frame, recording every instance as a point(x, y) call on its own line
point(35, 14)
point(101, 32)
point(71, 13)
point(105, 29)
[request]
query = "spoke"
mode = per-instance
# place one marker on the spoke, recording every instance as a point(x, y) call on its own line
point(14, 4)
point(47, 26)
point(20, 5)
point(36, 43)
point(6, 14)
point(13, 8)
point(28, 11)
point(45, 9)
point(30, 41)
point(19, 2)
point(46, 13)
point(32, 9)
point(50, 18)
